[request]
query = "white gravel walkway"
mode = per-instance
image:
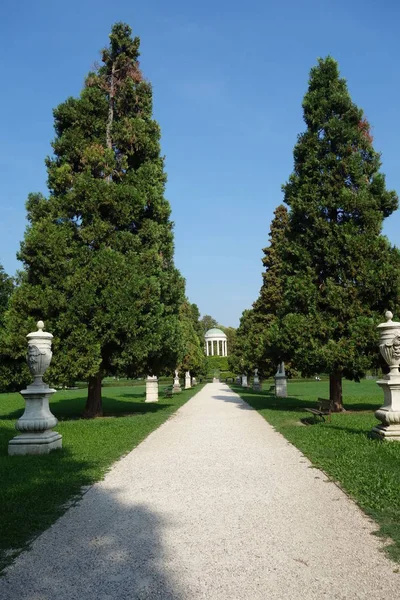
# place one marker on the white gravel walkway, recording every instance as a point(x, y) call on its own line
point(214, 504)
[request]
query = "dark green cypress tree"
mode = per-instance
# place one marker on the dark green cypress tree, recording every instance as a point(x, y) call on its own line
point(253, 347)
point(340, 273)
point(98, 252)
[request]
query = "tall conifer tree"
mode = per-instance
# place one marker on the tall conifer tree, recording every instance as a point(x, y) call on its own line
point(340, 273)
point(253, 346)
point(98, 252)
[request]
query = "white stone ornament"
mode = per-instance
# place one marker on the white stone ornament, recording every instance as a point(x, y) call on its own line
point(36, 423)
point(389, 413)
point(244, 381)
point(176, 388)
point(151, 388)
point(188, 381)
point(281, 381)
point(256, 382)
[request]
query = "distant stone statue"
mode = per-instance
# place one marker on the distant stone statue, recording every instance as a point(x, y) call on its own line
point(188, 381)
point(281, 381)
point(176, 388)
point(256, 382)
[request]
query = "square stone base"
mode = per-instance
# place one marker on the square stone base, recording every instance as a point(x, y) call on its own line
point(386, 432)
point(257, 387)
point(31, 443)
point(281, 387)
point(176, 389)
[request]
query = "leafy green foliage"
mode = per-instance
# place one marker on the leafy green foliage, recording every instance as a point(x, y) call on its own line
point(192, 346)
point(13, 373)
point(367, 469)
point(207, 322)
point(98, 253)
point(89, 449)
point(339, 273)
point(217, 363)
point(252, 346)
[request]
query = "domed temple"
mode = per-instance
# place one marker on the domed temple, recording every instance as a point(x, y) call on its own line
point(216, 342)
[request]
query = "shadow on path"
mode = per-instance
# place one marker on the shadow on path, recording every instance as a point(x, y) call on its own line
point(103, 548)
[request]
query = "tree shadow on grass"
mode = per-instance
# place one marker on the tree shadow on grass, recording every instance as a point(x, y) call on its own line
point(106, 547)
point(264, 399)
point(34, 492)
point(72, 408)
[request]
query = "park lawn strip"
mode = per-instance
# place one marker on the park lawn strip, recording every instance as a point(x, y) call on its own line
point(36, 490)
point(367, 469)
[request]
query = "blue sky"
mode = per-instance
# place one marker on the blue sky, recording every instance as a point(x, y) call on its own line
point(228, 80)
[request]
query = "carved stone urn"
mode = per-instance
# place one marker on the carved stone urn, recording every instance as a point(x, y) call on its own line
point(389, 413)
point(35, 425)
point(177, 386)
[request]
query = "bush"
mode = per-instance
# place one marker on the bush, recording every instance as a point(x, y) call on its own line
point(217, 363)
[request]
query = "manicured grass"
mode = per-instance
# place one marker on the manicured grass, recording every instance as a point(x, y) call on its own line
point(367, 469)
point(35, 489)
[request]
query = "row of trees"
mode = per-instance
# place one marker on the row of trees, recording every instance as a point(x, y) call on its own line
point(329, 272)
point(98, 251)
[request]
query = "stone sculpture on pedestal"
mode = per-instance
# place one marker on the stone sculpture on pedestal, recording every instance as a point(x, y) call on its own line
point(177, 386)
point(35, 425)
point(152, 388)
point(187, 380)
point(256, 382)
point(281, 381)
point(389, 413)
point(244, 381)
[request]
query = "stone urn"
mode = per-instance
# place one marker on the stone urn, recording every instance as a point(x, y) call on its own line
point(389, 413)
point(177, 386)
point(35, 425)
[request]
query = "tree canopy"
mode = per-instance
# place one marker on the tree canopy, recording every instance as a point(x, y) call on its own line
point(98, 252)
point(339, 272)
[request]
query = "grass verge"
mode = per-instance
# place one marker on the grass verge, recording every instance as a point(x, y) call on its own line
point(35, 490)
point(368, 470)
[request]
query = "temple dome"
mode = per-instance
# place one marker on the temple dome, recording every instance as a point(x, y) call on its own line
point(214, 332)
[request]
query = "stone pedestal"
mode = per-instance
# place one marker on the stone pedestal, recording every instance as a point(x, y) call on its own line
point(194, 381)
point(188, 383)
point(237, 380)
point(389, 413)
point(35, 425)
point(281, 382)
point(152, 389)
point(177, 386)
point(244, 381)
point(256, 382)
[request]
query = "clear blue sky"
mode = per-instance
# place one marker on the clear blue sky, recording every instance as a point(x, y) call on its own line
point(228, 81)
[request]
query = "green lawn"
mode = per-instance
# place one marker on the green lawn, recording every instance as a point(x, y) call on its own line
point(367, 469)
point(35, 489)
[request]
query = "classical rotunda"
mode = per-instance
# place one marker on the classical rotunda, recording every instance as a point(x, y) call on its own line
point(216, 342)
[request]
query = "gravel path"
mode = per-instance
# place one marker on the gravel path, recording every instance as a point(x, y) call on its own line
point(214, 504)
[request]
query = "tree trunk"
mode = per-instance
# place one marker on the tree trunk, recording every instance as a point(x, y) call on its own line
point(94, 406)
point(335, 391)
